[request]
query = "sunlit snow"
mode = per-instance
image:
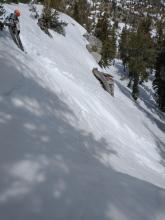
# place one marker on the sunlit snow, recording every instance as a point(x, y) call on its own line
point(68, 150)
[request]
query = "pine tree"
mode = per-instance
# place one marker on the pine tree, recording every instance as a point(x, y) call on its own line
point(136, 64)
point(76, 14)
point(58, 4)
point(102, 29)
point(108, 38)
point(105, 54)
point(160, 33)
point(123, 47)
point(141, 54)
point(112, 42)
point(159, 82)
point(102, 32)
point(80, 12)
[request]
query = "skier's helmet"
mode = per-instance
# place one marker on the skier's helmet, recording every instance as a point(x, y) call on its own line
point(17, 13)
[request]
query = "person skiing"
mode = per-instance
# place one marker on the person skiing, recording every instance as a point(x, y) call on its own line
point(12, 21)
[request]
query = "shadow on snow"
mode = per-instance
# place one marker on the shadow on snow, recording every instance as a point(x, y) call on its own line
point(50, 169)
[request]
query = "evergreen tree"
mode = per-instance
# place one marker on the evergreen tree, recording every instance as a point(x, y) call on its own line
point(108, 38)
point(102, 29)
point(160, 33)
point(112, 42)
point(76, 14)
point(123, 47)
point(136, 63)
point(148, 46)
point(139, 53)
point(81, 12)
point(159, 82)
point(58, 4)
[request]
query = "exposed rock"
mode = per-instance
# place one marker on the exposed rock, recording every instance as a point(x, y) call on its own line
point(106, 80)
point(94, 46)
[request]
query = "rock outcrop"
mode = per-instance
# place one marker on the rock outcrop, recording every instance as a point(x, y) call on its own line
point(94, 46)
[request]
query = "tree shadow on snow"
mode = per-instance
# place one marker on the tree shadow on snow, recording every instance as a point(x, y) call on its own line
point(146, 95)
point(160, 144)
point(7, 39)
point(123, 89)
point(159, 123)
point(52, 170)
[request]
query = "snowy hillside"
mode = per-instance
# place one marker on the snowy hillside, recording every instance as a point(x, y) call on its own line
point(68, 150)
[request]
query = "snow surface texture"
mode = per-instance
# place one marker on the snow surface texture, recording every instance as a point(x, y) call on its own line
point(68, 150)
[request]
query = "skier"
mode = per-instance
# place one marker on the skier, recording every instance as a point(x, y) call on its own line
point(12, 22)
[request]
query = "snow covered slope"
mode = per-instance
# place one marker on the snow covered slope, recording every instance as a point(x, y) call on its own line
point(68, 150)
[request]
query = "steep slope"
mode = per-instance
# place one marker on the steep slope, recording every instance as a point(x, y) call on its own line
point(68, 150)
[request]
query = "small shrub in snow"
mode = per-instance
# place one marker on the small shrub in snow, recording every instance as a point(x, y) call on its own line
point(50, 20)
point(33, 10)
point(57, 25)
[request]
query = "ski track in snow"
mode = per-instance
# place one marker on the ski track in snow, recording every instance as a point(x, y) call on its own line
point(68, 150)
